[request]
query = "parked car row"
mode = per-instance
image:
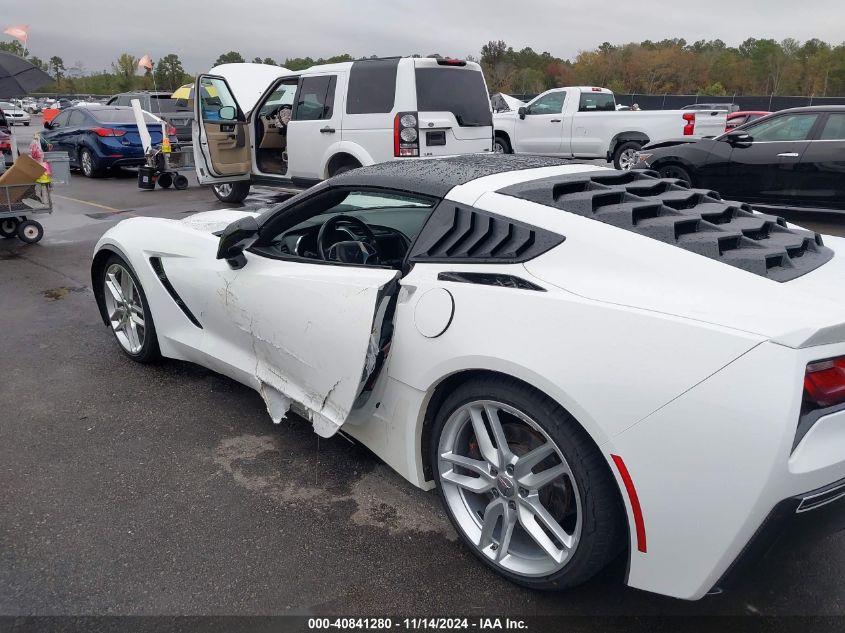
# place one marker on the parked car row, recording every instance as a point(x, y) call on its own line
point(789, 159)
point(97, 138)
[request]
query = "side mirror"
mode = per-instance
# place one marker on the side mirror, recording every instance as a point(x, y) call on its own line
point(738, 137)
point(522, 112)
point(227, 113)
point(236, 237)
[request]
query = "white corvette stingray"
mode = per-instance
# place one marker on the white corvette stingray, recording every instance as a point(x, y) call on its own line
point(583, 362)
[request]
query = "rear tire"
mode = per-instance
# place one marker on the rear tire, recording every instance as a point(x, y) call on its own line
point(231, 191)
point(87, 164)
point(581, 498)
point(624, 156)
point(180, 182)
point(501, 145)
point(677, 172)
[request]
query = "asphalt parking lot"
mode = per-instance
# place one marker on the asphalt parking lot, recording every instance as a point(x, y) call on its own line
point(132, 489)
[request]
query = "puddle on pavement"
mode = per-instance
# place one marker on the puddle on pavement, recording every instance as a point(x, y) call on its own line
point(381, 497)
point(61, 292)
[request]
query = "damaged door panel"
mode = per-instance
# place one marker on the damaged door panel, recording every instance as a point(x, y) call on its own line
point(315, 332)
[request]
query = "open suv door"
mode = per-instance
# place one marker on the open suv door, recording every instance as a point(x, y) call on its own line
point(221, 134)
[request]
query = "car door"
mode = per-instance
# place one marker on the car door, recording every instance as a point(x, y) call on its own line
point(315, 124)
point(819, 179)
point(541, 131)
point(55, 137)
point(221, 137)
point(73, 131)
point(762, 170)
point(303, 330)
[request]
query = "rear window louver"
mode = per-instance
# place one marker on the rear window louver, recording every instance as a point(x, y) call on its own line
point(696, 220)
point(456, 233)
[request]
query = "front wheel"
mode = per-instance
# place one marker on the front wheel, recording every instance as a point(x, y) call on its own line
point(677, 172)
point(501, 146)
point(524, 485)
point(128, 311)
point(231, 191)
point(625, 155)
point(30, 231)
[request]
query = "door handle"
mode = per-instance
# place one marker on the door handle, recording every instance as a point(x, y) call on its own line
point(327, 130)
point(555, 121)
point(789, 155)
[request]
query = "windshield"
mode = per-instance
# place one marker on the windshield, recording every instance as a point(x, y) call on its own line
point(5, 105)
point(456, 90)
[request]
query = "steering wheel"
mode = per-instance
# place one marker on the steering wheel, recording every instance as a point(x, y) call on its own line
point(329, 227)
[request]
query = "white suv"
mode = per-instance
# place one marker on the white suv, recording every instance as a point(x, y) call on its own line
point(269, 125)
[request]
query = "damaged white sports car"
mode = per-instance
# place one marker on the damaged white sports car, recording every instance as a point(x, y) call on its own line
point(584, 362)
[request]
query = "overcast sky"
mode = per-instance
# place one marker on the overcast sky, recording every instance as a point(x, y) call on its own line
point(95, 32)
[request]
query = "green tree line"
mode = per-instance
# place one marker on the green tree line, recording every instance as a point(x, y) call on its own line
point(674, 66)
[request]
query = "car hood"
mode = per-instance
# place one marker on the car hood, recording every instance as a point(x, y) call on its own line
point(213, 221)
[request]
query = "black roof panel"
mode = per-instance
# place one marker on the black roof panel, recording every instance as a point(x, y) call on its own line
point(437, 176)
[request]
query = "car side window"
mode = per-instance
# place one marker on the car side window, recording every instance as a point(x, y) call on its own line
point(551, 103)
point(315, 99)
point(788, 127)
point(123, 100)
point(76, 118)
point(834, 127)
point(61, 119)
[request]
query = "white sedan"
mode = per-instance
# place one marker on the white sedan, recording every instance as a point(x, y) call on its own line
point(583, 362)
point(14, 114)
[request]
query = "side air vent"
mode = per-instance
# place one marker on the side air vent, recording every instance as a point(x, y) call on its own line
point(696, 220)
point(158, 267)
point(458, 233)
point(490, 279)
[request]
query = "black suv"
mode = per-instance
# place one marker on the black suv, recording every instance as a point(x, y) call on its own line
point(175, 111)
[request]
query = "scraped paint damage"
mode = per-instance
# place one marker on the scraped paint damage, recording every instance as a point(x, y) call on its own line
point(281, 391)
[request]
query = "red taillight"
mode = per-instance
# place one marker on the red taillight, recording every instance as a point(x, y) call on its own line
point(171, 131)
point(824, 382)
point(689, 128)
point(596, 89)
point(107, 131)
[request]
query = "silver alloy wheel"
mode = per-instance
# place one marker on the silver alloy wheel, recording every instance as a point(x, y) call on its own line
point(628, 159)
point(87, 163)
point(522, 518)
point(125, 308)
point(224, 190)
point(498, 148)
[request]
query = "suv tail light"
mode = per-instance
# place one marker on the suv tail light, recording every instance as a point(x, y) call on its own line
point(171, 131)
point(107, 131)
point(824, 382)
point(406, 135)
point(689, 128)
